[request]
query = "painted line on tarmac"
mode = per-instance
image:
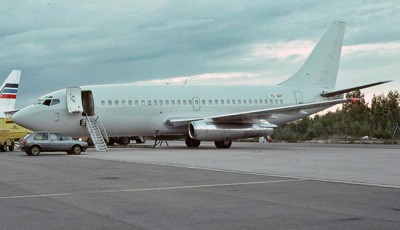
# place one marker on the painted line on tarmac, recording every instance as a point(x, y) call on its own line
point(151, 189)
point(253, 173)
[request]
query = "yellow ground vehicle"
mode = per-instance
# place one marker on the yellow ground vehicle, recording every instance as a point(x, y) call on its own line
point(10, 133)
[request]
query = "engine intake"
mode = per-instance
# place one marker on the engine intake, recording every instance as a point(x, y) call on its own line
point(209, 131)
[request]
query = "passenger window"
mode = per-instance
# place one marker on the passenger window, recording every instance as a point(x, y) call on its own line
point(143, 102)
point(54, 137)
point(161, 102)
point(250, 101)
point(255, 101)
point(281, 101)
point(103, 102)
point(178, 102)
point(266, 101)
point(239, 102)
point(190, 102)
point(41, 136)
point(210, 102)
point(184, 102)
point(123, 102)
point(228, 102)
point(148, 102)
point(166, 102)
point(222, 102)
point(203, 102)
point(173, 102)
point(271, 101)
point(155, 102)
point(244, 102)
point(233, 102)
point(116, 102)
point(136, 102)
point(216, 102)
point(276, 101)
point(260, 101)
point(130, 102)
point(109, 102)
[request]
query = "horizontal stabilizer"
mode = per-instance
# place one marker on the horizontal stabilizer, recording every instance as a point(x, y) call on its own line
point(342, 91)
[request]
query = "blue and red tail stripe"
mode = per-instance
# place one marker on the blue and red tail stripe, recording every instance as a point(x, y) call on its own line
point(9, 91)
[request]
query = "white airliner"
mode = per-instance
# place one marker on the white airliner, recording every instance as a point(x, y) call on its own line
point(8, 93)
point(197, 112)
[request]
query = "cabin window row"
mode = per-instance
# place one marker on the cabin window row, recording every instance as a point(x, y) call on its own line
point(191, 102)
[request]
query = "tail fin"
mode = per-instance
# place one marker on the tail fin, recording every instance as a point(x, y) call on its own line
point(8, 92)
point(321, 67)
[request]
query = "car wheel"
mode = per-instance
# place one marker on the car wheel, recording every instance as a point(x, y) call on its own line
point(76, 150)
point(35, 150)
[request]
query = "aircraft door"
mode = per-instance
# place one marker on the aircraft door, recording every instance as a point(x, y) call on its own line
point(74, 100)
point(299, 97)
point(196, 103)
point(88, 103)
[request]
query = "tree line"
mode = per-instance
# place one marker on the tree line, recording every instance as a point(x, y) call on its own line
point(352, 121)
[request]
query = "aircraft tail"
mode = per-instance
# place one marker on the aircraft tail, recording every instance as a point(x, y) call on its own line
point(8, 92)
point(321, 67)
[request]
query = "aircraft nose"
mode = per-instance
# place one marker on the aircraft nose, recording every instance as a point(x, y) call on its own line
point(23, 118)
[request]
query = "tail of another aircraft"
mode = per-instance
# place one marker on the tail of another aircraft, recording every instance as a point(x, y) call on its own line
point(321, 67)
point(8, 92)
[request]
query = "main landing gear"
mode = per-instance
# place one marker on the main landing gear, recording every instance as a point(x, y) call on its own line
point(192, 143)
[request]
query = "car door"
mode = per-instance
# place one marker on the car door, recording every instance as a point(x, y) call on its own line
point(57, 143)
point(42, 139)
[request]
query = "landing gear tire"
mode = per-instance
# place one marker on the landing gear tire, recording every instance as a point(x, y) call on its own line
point(111, 141)
point(192, 143)
point(223, 144)
point(28, 152)
point(3, 148)
point(124, 140)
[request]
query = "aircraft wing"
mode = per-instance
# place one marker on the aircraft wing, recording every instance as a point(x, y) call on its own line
point(260, 114)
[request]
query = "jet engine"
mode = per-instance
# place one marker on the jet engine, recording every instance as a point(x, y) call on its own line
point(210, 131)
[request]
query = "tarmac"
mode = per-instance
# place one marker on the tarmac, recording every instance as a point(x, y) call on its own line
point(249, 186)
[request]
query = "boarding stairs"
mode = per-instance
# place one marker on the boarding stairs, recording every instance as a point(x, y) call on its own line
point(97, 133)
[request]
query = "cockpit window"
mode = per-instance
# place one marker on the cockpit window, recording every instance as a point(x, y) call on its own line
point(55, 101)
point(47, 101)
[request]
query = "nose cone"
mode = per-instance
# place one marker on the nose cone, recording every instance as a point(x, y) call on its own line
point(23, 118)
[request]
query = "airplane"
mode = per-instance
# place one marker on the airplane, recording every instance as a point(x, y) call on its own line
point(197, 112)
point(8, 93)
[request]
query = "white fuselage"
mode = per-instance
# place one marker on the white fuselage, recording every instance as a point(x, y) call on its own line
point(142, 110)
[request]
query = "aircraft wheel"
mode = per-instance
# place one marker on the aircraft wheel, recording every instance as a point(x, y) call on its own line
point(124, 140)
point(3, 148)
point(35, 150)
point(223, 144)
point(192, 143)
point(28, 152)
point(111, 141)
point(76, 150)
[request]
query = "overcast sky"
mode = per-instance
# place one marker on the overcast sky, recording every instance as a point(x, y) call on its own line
point(62, 43)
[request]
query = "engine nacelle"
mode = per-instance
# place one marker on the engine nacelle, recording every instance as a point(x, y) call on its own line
point(209, 131)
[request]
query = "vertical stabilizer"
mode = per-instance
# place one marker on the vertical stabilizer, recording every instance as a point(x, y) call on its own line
point(321, 67)
point(8, 92)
